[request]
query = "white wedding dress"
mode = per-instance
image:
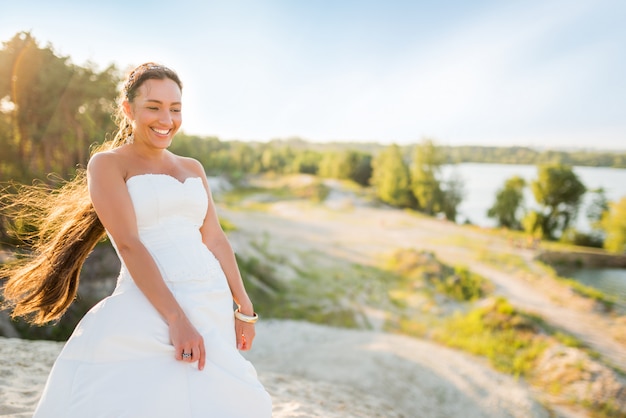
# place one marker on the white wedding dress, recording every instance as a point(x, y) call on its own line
point(119, 361)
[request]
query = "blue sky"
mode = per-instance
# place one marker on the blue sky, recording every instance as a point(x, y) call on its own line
point(531, 73)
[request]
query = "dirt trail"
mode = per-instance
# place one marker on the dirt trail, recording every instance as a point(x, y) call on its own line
point(365, 234)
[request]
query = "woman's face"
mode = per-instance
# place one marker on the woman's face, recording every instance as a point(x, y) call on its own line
point(155, 112)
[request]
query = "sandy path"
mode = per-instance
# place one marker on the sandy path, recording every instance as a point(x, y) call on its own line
point(587, 325)
point(363, 235)
point(317, 371)
point(409, 377)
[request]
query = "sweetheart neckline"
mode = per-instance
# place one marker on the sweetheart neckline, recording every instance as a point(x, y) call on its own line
point(163, 175)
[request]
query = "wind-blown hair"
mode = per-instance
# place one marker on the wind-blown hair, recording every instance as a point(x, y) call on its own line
point(43, 283)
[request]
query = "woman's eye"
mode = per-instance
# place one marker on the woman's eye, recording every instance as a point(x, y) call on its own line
point(153, 108)
point(175, 110)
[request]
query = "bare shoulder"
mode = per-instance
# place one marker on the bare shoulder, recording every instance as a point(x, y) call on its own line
point(190, 165)
point(105, 163)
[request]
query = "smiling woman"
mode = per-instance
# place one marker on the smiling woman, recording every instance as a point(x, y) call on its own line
point(165, 343)
point(156, 113)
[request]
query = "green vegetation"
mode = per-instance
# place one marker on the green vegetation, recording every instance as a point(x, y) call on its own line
point(418, 185)
point(51, 110)
point(509, 202)
point(613, 222)
point(530, 156)
point(426, 177)
point(318, 292)
point(421, 270)
point(257, 196)
point(510, 339)
point(505, 261)
point(559, 191)
point(595, 211)
point(390, 178)
point(513, 341)
point(353, 165)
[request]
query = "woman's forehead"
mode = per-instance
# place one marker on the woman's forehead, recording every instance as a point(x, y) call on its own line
point(161, 90)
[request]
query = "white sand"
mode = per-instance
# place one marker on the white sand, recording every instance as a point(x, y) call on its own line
point(317, 371)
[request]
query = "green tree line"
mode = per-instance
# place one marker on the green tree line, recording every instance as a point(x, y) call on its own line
point(529, 156)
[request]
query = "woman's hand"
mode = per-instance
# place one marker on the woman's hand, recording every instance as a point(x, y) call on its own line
point(245, 334)
point(187, 341)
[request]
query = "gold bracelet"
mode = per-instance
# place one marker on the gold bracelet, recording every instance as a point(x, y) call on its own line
point(246, 318)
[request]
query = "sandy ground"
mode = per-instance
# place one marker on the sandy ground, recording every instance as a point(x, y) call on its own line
point(364, 235)
point(317, 371)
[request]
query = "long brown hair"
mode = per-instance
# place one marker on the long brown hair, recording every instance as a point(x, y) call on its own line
point(41, 284)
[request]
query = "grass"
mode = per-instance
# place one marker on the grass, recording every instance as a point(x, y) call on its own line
point(499, 332)
point(319, 293)
point(506, 261)
point(457, 240)
point(421, 270)
point(507, 337)
point(315, 191)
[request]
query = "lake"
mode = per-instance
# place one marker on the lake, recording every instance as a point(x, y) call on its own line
point(610, 281)
point(482, 181)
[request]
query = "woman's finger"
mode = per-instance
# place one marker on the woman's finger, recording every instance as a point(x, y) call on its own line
point(187, 355)
point(245, 335)
point(201, 356)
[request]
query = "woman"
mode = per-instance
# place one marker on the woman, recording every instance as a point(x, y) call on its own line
point(165, 343)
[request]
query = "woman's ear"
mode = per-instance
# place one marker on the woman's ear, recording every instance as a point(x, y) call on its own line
point(128, 110)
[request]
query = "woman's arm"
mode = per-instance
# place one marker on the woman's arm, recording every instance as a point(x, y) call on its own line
point(110, 198)
point(216, 241)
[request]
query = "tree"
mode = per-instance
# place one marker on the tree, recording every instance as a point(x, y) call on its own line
point(425, 177)
point(509, 201)
point(347, 164)
point(55, 110)
point(361, 167)
point(425, 173)
point(307, 161)
point(613, 222)
point(597, 207)
point(533, 223)
point(433, 193)
point(559, 191)
point(335, 164)
point(390, 177)
point(452, 191)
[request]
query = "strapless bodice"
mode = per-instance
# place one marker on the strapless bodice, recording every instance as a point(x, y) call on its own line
point(169, 215)
point(163, 202)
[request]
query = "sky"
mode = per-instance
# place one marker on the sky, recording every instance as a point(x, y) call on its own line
point(538, 73)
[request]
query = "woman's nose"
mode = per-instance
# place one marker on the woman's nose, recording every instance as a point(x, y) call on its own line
point(165, 117)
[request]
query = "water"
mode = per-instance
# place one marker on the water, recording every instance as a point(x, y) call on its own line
point(482, 181)
point(610, 281)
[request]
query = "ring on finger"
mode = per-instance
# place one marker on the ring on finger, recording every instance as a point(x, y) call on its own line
point(186, 355)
